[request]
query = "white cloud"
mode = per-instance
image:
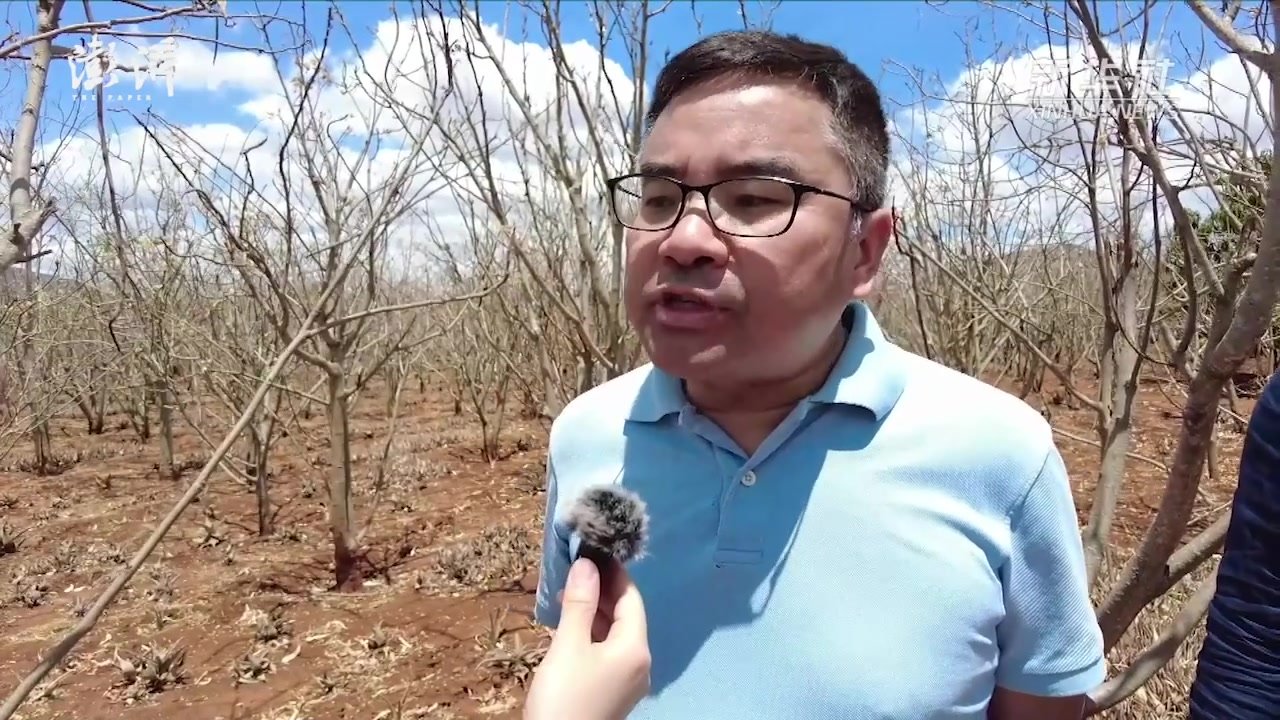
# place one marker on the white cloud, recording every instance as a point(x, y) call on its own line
point(987, 163)
point(984, 163)
point(197, 67)
point(379, 114)
point(1227, 101)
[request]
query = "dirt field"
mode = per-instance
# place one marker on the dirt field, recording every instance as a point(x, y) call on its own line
point(442, 630)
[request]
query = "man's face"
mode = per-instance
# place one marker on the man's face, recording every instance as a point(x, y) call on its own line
point(776, 300)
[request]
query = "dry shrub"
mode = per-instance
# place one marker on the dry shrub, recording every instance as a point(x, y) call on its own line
point(152, 669)
point(531, 479)
point(505, 655)
point(10, 539)
point(495, 559)
point(56, 464)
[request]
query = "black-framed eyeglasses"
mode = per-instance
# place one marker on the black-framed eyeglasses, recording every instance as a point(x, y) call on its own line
point(745, 207)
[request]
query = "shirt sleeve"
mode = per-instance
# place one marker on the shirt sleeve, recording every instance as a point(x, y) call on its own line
point(1050, 642)
point(554, 569)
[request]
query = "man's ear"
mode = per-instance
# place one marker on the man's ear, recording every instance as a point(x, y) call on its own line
point(873, 236)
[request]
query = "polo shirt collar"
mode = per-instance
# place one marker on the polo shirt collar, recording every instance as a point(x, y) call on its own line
point(868, 374)
point(660, 395)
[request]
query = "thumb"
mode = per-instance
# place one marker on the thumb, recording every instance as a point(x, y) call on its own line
point(581, 598)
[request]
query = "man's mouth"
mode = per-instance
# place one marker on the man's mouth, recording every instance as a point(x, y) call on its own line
point(677, 301)
point(684, 311)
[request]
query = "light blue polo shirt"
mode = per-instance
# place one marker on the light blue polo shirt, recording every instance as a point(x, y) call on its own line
point(902, 543)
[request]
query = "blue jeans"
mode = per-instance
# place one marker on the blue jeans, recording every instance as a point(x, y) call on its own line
point(1238, 673)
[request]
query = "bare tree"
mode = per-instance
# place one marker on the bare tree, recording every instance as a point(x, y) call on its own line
point(1243, 293)
point(1111, 180)
point(28, 209)
point(342, 186)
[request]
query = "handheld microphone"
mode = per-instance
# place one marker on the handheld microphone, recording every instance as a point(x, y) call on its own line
point(610, 522)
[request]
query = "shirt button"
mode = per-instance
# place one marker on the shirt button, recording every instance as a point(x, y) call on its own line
point(749, 478)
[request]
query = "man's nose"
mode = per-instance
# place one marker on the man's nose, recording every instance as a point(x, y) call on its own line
point(694, 240)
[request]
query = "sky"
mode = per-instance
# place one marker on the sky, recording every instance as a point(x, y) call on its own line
point(888, 39)
point(918, 53)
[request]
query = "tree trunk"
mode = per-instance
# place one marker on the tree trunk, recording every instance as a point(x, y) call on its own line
point(140, 418)
point(164, 403)
point(33, 369)
point(41, 445)
point(260, 436)
point(346, 573)
point(391, 376)
point(1120, 364)
point(92, 405)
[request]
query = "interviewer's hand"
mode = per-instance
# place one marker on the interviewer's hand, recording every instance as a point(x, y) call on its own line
point(584, 680)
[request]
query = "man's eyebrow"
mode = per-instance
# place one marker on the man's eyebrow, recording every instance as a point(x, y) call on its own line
point(653, 168)
point(770, 167)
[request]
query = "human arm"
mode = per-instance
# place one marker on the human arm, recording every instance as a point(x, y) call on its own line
point(1012, 705)
point(584, 678)
point(1051, 651)
point(553, 571)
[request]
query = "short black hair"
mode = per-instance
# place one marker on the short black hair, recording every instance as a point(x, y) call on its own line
point(860, 125)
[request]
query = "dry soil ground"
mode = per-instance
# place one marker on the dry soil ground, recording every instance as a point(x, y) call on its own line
point(442, 628)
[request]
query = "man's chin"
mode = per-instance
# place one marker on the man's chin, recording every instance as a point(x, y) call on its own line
point(687, 363)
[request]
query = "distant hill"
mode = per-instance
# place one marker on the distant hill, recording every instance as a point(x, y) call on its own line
point(13, 281)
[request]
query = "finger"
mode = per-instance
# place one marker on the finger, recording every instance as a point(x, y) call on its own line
point(604, 620)
point(600, 627)
point(578, 609)
point(629, 621)
point(604, 610)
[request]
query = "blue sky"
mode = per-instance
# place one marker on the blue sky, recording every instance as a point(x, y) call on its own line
point(884, 37)
point(887, 39)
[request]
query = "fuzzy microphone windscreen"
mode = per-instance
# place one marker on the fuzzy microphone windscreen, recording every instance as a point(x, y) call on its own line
point(611, 522)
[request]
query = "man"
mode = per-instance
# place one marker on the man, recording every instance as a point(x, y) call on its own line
point(1238, 671)
point(838, 528)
